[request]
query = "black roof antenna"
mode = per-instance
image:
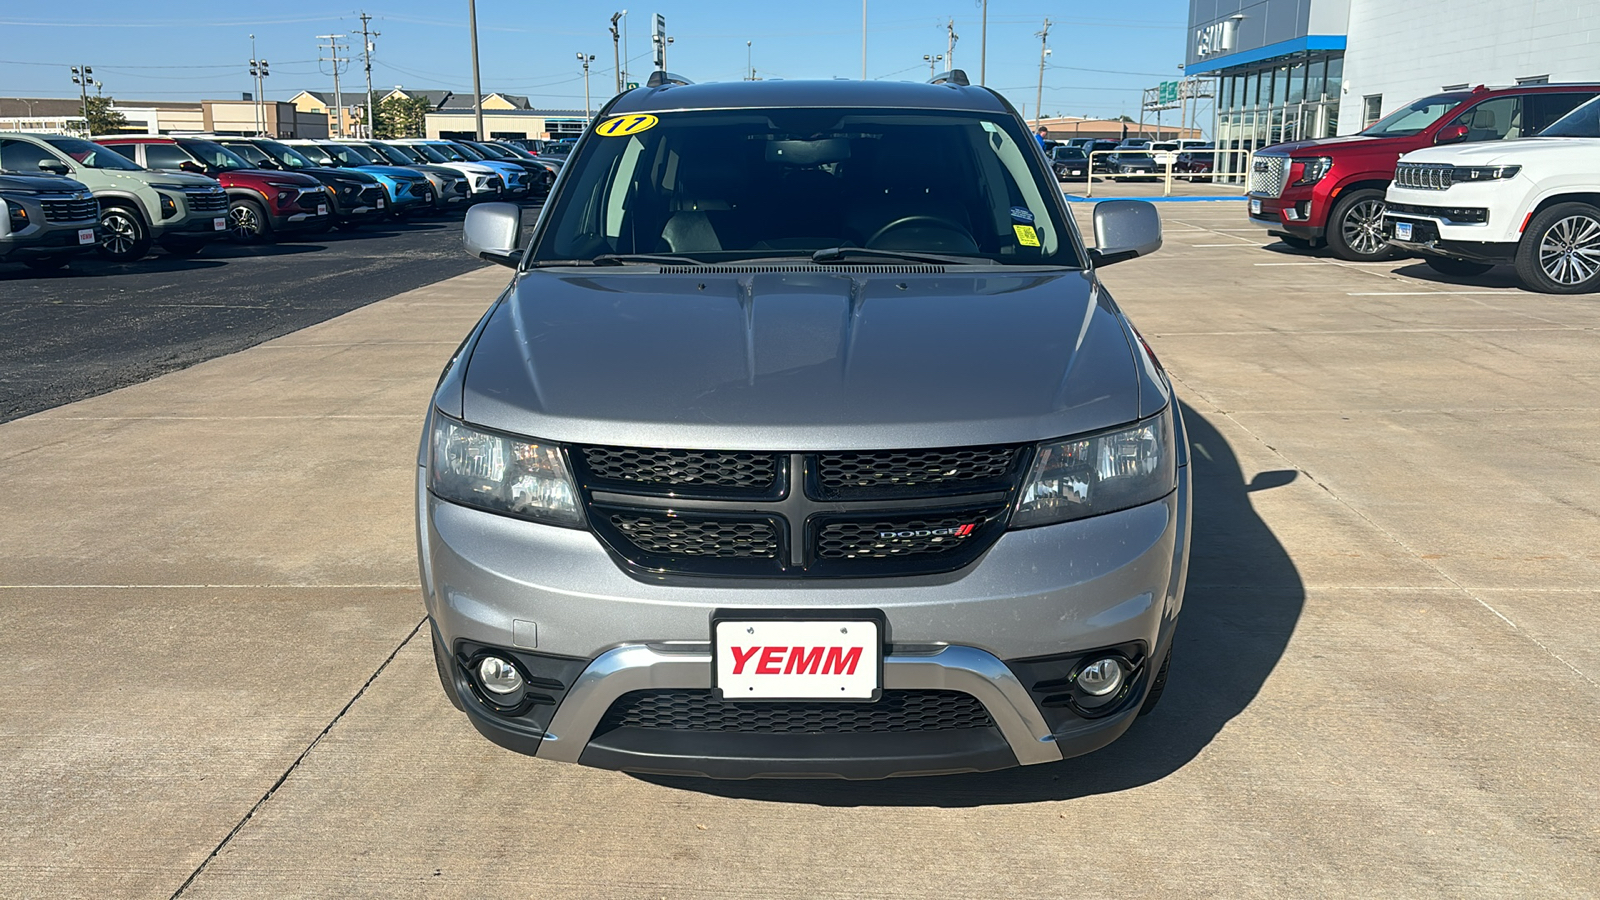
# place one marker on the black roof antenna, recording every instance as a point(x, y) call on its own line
point(954, 76)
point(659, 78)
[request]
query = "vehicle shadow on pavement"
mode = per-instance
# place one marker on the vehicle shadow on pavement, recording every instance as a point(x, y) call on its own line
point(1243, 601)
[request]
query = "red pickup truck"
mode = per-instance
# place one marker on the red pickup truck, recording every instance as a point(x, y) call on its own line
point(1330, 191)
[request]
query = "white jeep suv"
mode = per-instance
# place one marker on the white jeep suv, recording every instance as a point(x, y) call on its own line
point(1531, 203)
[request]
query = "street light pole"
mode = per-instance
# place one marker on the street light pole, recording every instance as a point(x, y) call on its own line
point(586, 60)
point(1044, 51)
point(477, 87)
point(932, 61)
point(863, 40)
point(616, 56)
point(983, 46)
point(749, 67)
point(83, 76)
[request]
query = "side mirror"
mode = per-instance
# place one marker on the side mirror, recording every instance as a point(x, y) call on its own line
point(1454, 134)
point(491, 232)
point(54, 167)
point(190, 165)
point(1123, 230)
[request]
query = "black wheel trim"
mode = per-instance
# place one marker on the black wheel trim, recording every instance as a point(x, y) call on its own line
point(244, 223)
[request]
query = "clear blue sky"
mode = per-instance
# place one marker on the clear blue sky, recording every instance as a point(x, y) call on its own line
point(1102, 54)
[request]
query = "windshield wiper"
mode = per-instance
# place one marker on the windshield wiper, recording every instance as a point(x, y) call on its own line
point(622, 259)
point(838, 254)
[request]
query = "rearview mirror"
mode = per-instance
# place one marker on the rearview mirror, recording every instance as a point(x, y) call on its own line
point(491, 232)
point(1454, 134)
point(54, 166)
point(1123, 230)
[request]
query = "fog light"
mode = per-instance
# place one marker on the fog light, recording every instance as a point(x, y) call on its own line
point(499, 676)
point(1101, 678)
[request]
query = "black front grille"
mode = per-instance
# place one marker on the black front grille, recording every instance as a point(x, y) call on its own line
point(1456, 215)
point(700, 710)
point(665, 534)
point(889, 538)
point(71, 210)
point(682, 468)
point(883, 471)
point(203, 202)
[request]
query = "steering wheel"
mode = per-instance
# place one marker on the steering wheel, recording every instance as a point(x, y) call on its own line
point(924, 220)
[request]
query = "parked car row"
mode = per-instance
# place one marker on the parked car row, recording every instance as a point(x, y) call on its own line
point(1130, 159)
point(1334, 191)
point(122, 195)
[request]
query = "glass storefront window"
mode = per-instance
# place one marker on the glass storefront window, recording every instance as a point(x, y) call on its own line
point(1251, 83)
point(1297, 83)
point(1335, 77)
point(1314, 75)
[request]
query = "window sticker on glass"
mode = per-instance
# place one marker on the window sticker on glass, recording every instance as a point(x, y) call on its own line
point(1026, 236)
point(622, 126)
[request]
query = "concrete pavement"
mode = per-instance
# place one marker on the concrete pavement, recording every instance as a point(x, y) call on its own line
point(1386, 677)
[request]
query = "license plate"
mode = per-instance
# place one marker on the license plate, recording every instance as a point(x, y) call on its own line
point(771, 659)
point(380, 203)
point(85, 236)
point(322, 209)
point(1402, 231)
point(1077, 171)
point(1255, 207)
point(219, 224)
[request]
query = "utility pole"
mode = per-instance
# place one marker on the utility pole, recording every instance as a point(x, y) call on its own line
point(333, 57)
point(258, 71)
point(586, 60)
point(1044, 51)
point(616, 55)
point(863, 40)
point(366, 54)
point(983, 46)
point(950, 47)
point(477, 87)
point(83, 76)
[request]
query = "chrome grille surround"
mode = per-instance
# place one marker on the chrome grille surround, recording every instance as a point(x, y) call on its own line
point(1424, 176)
point(1268, 175)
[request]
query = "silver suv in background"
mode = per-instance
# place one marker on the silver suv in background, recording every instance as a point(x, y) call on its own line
point(46, 220)
point(805, 442)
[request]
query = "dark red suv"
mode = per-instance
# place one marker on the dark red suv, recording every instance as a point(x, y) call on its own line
point(1331, 190)
point(260, 202)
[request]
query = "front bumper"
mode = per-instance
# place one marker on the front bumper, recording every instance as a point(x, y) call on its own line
point(999, 630)
point(47, 242)
point(1293, 215)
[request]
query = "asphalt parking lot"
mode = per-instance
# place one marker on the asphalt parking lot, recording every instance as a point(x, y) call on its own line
point(1385, 682)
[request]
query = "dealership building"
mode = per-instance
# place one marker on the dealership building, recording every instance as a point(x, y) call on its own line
point(1294, 69)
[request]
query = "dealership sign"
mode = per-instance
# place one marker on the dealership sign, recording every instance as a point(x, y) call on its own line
point(1214, 38)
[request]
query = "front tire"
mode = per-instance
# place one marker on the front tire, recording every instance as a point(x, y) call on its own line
point(1560, 250)
point(126, 239)
point(1447, 265)
point(248, 222)
point(1355, 227)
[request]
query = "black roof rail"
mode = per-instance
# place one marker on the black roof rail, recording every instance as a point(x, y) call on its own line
point(659, 78)
point(954, 76)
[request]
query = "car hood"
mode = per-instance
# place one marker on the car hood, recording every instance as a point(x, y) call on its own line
point(398, 172)
point(1490, 153)
point(1306, 148)
point(291, 176)
point(48, 183)
point(323, 173)
point(801, 360)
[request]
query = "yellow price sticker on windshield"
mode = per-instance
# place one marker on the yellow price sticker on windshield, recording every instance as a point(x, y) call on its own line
point(1026, 236)
point(622, 126)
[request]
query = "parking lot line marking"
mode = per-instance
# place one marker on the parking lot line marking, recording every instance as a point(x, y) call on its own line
point(174, 587)
point(1292, 264)
point(1246, 246)
point(1506, 291)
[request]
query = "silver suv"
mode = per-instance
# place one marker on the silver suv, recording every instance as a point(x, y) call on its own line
point(805, 442)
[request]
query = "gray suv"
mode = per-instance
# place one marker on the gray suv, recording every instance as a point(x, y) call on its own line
point(46, 220)
point(805, 442)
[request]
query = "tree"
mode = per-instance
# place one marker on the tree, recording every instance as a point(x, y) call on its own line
point(103, 119)
point(400, 117)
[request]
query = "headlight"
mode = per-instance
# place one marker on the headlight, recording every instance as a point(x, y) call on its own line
point(1309, 171)
point(501, 474)
point(1484, 173)
point(16, 214)
point(169, 207)
point(1088, 476)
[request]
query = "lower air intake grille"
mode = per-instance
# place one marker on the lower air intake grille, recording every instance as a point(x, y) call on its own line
point(891, 538)
point(669, 535)
point(700, 710)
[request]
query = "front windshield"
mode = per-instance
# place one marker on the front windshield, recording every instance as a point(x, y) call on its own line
point(468, 153)
point(490, 150)
point(514, 150)
point(1411, 119)
point(93, 156)
point(1581, 122)
point(730, 185)
point(348, 155)
point(1065, 153)
point(288, 157)
point(412, 154)
point(317, 155)
point(387, 154)
point(215, 156)
point(442, 152)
